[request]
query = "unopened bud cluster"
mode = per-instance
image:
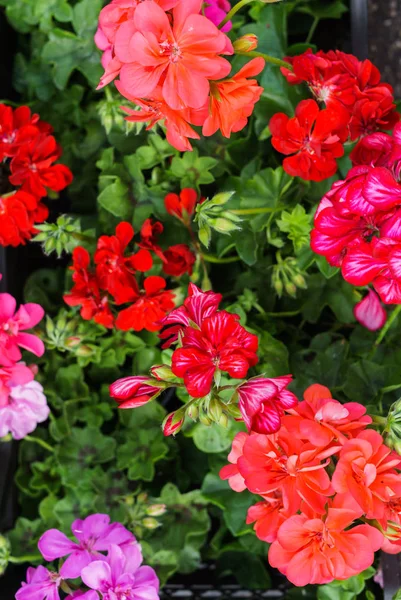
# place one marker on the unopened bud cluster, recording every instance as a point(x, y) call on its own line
point(143, 514)
point(61, 236)
point(287, 277)
point(211, 215)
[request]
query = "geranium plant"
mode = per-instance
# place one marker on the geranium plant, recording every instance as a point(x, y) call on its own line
point(204, 368)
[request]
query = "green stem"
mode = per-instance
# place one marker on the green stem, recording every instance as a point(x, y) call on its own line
point(25, 559)
point(387, 327)
point(234, 11)
point(220, 261)
point(81, 237)
point(253, 211)
point(35, 440)
point(379, 420)
point(312, 30)
point(290, 313)
point(269, 59)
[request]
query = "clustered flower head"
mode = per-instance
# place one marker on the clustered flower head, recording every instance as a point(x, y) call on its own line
point(355, 103)
point(117, 575)
point(210, 343)
point(22, 402)
point(330, 488)
point(169, 58)
point(118, 278)
point(29, 151)
point(358, 222)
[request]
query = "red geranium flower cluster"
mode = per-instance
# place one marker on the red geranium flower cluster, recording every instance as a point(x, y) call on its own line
point(210, 342)
point(319, 477)
point(356, 104)
point(169, 60)
point(30, 151)
point(115, 280)
point(358, 222)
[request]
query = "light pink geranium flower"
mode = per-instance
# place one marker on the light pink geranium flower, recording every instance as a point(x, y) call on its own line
point(122, 576)
point(12, 325)
point(22, 402)
point(94, 534)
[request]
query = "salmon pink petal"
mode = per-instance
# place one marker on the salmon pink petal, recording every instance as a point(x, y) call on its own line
point(316, 392)
point(150, 17)
point(183, 10)
point(139, 81)
point(122, 45)
point(370, 313)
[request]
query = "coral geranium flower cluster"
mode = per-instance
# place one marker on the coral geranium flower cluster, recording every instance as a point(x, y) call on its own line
point(322, 477)
point(358, 222)
point(355, 103)
point(170, 61)
point(211, 343)
point(22, 402)
point(118, 277)
point(28, 151)
point(117, 574)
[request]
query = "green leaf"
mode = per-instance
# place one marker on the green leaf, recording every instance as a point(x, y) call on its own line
point(298, 226)
point(81, 450)
point(364, 380)
point(326, 270)
point(213, 439)
point(114, 198)
point(273, 355)
point(140, 453)
point(319, 10)
point(247, 247)
point(25, 536)
point(26, 14)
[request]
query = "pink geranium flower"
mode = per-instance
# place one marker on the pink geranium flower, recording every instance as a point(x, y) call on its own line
point(216, 11)
point(262, 402)
point(41, 584)
point(22, 402)
point(12, 326)
point(197, 307)
point(94, 534)
point(122, 576)
point(370, 313)
point(183, 57)
point(231, 472)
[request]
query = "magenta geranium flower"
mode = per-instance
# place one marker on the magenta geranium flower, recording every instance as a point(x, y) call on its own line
point(41, 584)
point(22, 402)
point(216, 11)
point(122, 576)
point(12, 324)
point(94, 534)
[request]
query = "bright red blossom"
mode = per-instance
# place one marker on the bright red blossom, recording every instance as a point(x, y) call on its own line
point(33, 167)
point(220, 343)
point(314, 138)
point(182, 205)
point(147, 311)
point(18, 214)
point(116, 272)
point(179, 260)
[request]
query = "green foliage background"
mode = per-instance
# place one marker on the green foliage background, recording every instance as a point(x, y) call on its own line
point(121, 464)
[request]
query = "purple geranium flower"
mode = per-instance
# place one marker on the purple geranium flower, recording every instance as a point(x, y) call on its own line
point(41, 584)
point(121, 577)
point(216, 11)
point(94, 534)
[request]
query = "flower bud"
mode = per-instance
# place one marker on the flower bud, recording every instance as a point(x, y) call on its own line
point(162, 373)
point(215, 410)
point(193, 412)
point(72, 341)
point(234, 411)
point(84, 351)
point(204, 419)
point(142, 498)
point(291, 289)
point(246, 43)
point(223, 225)
point(173, 422)
point(150, 523)
point(4, 554)
point(156, 510)
point(393, 427)
point(223, 422)
point(299, 281)
point(278, 286)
